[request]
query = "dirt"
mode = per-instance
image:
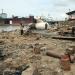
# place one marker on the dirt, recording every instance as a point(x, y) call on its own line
point(19, 50)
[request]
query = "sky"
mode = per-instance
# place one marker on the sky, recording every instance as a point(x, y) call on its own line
point(56, 9)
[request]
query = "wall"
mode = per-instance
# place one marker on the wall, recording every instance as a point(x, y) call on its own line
point(17, 21)
point(72, 16)
point(1, 22)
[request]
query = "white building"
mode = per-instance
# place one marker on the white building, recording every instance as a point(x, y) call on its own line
point(3, 15)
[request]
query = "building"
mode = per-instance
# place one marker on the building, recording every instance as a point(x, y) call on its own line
point(3, 15)
point(71, 15)
point(4, 21)
point(17, 21)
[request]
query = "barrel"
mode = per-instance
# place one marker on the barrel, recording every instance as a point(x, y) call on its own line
point(65, 63)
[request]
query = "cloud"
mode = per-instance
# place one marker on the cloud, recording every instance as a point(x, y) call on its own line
point(61, 3)
point(56, 8)
point(71, 0)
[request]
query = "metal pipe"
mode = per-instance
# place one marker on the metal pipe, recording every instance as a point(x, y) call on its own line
point(53, 55)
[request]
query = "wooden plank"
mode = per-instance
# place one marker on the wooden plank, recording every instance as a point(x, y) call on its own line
point(63, 37)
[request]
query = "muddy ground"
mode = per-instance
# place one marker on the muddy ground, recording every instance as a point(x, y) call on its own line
point(19, 50)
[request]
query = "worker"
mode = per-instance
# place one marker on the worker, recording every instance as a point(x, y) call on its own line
point(73, 31)
point(21, 28)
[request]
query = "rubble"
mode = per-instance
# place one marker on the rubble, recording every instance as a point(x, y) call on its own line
point(31, 50)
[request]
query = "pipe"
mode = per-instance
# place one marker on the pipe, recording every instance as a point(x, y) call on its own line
point(53, 55)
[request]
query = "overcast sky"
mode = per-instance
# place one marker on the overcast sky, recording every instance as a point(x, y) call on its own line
point(55, 8)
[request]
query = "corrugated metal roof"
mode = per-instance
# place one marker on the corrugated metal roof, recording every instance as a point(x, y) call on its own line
point(69, 13)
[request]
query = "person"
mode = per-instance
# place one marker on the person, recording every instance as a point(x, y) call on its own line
point(73, 31)
point(21, 28)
